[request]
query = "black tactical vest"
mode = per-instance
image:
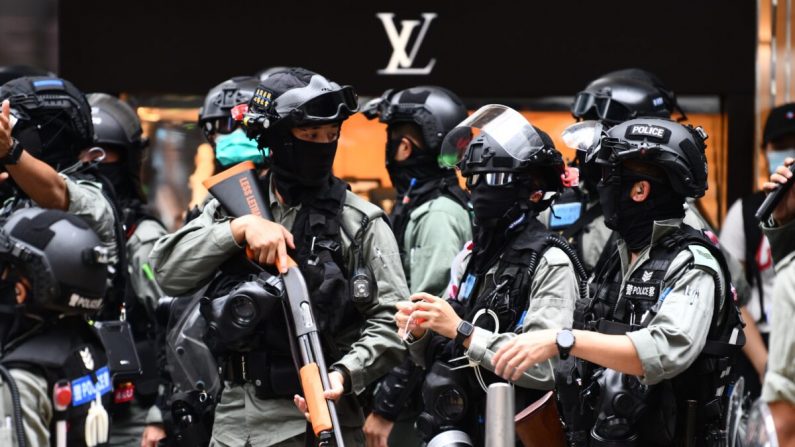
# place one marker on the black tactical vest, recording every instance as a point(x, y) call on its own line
point(318, 251)
point(67, 349)
point(616, 309)
point(507, 297)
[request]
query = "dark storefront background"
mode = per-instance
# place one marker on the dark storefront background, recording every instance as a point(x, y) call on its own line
point(164, 55)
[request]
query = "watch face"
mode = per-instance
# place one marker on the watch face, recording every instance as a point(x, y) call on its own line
point(565, 339)
point(466, 328)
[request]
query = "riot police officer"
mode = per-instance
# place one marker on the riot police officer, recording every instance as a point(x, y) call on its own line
point(117, 131)
point(226, 140)
point(229, 141)
point(655, 341)
point(431, 224)
point(613, 98)
point(518, 277)
point(330, 232)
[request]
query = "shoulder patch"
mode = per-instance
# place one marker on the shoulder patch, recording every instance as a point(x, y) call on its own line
point(555, 256)
point(702, 258)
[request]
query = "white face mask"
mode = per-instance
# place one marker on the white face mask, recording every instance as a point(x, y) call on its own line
point(776, 158)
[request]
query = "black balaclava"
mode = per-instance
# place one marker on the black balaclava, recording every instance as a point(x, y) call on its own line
point(300, 168)
point(119, 176)
point(421, 165)
point(632, 220)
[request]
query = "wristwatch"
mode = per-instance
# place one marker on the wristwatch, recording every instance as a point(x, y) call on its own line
point(565, 341)
point(14, 152)
point(464, 330)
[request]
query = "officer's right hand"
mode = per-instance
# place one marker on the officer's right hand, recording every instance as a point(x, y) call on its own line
point(376, 430)
point(267, 240)
point(785, 211)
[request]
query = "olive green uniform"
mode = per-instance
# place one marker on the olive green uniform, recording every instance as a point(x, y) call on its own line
point(780, 377)
point(186, 259)
point(677, 334)
point(436, 232)
point(86, 201)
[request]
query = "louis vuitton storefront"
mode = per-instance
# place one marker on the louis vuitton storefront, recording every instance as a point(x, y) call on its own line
point(534, 56)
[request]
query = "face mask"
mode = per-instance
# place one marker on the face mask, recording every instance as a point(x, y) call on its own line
point(634, 221)
point(776, 158)
point(492, 203)
point(301, 168)
point(235, 148)
point(418, 166)
point(118, 176)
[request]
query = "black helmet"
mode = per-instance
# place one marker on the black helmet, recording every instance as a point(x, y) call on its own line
point(296, 97)
point(677, 149)
point(115, 122)
point(116, 125)
point(10, 72)
point(506, 148)
point(215, 115)
point(623, 95)
point(265, 73)
point(435, 110)
point(54, 118)
point(61, 257)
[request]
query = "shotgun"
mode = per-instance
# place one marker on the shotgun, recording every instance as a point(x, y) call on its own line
point(238, 191)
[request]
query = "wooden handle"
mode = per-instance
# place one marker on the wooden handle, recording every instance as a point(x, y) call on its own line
point(319, 415)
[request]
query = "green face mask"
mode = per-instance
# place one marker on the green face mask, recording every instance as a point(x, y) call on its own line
point(235, 147)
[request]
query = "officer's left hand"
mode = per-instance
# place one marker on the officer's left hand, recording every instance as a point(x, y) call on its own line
point(337, 382)
point(436, 314)
point(524, 351)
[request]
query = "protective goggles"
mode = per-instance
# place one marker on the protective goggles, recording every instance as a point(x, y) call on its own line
point(331, 106)
point(491, 179)
point(221, 126)
point(599, 106)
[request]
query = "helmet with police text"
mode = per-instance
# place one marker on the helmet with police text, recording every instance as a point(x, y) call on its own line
point(498, 144)
point(53, 118)
point(53, 263)
point(215, 116)
point(623, 95)
point(297, 97)
point(675, 148)
point(117, 127)
point(435, 110)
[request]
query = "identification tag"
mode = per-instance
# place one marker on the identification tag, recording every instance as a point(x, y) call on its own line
point(84, 389)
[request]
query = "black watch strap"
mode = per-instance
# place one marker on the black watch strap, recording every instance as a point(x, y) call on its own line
point(14, 152)
point(464, 330)
point(565, 341)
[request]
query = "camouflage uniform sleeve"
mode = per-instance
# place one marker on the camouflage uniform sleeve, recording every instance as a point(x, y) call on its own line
point(141, 275)
point(378, 347)
point(676, 335)
point(185, 259)
point(553, 293)
point(87, 201)
point(433, 243)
